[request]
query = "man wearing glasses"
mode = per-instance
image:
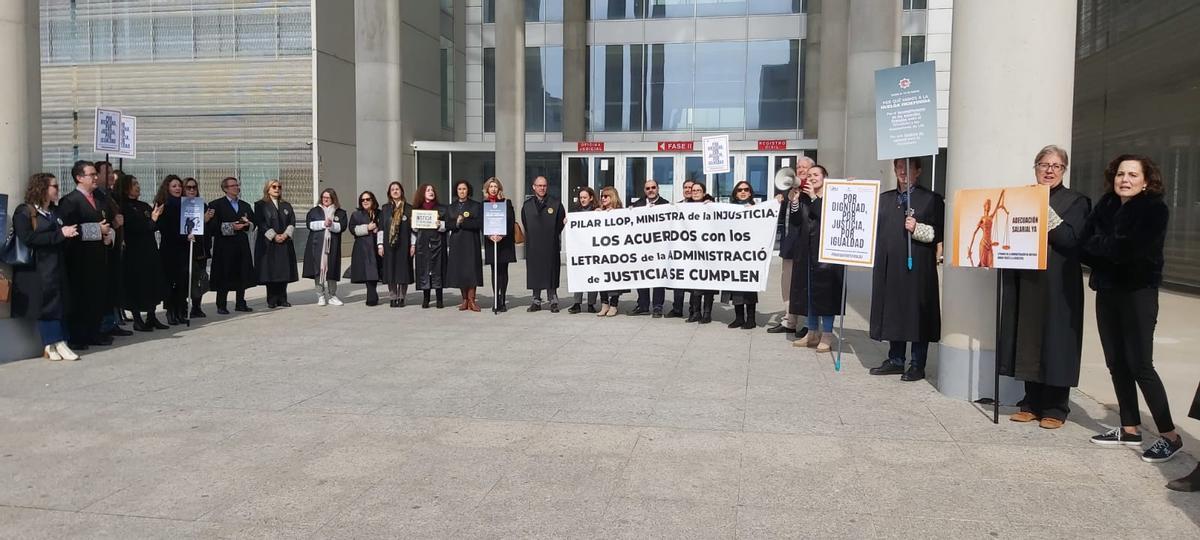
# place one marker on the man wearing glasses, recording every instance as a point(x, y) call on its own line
point(85, 253)
point(652, 198)
point(543, 218)
point(232, 265)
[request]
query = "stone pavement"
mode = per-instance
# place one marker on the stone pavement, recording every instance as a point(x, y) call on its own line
point(358, 422)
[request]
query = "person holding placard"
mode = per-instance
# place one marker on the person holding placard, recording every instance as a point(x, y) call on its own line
point(232, 263)
point(543, 219)
point(789, 211)
point(395, 220)
point(323, 251)
point(587, 203)
point(744, 302)
point(609, 200)
point(904, 301)
point(701, 304)
point(677, 295)
point(650, 300)
point(84, 253)
point(368, 237)
point(143, 272)
point(200, 252)
point(499, 251)
point(429, 243)
point(1041, 311)
point(1123, 245)
point(275, 252)
point(464, 224)
point(816, 286)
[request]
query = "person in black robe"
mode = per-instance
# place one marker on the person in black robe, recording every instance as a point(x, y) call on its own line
point(232, 265)
point(172, 249)
point(1191, 482)
point(904, 303)
point(323, 251)
point(145, 286)
point(1041, 312)
point(543, 219)
point(84, 254)
point(368, 245)
point(586, 203)
point(275, 252)
point(744, 302)
point(650, 300)
point(500, 251)
point(701, 302)
point(114, 315)
point(816, 291)
point(201, 248)
point(464, 225)
point(677, 295)
point(40, 288)
point(429, 246)
point(395, 220)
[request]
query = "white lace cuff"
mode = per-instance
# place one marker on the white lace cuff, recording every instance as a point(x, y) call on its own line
point(1054, 221)
point(923, 233)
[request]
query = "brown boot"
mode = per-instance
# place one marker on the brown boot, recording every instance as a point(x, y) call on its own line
point(471, 304)
point(465, 302)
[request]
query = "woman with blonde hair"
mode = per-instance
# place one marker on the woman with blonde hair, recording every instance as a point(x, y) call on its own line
point(609, 200)
point(498, 248)
point(275, 253)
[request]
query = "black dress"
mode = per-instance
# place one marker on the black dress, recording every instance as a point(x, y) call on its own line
point(464, 263)
point(275, 262)
point(145, 286)
point(823, 281)
point(315, 221)
point(40, 289)
point(543, 223)
point(397, 261)
point(738, 298)
point(232, 265)
point(904, 303)
point(430, 257)
point(364, 257)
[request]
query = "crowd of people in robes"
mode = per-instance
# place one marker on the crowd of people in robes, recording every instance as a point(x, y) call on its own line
point(100, 251)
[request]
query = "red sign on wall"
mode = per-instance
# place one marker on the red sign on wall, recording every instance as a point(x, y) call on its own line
point(589, 146)
point(675, 146)
point(772, 144)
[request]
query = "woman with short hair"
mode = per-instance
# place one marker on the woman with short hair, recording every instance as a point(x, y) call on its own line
point(323, 251)
point(40, 288)
point(368, 239)
point(499, 251)
point(586, 203)
point(142, 271)
point(744, 302)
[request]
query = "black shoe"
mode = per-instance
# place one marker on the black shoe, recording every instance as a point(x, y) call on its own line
point(425, 304)
point(779, 329)
point(78, 345)
point(439, 303)
point(750, 324)
point(913, 374)
point(119, 332)
point(501, 308)
point(534, 307)
point(197, 313)
point(270, 304)
point(693, 317)
point(400, 302)
point(1187, 484)
point(242, 308)
point(737, 323)
point(1117, 436)
point(152, 320)
point(1163, 449)
point(888, 367)
point(592, 308)
point(674, 314)
point(392, 303)
point(575, 308)
point(553, 308)
point(222, 311)
point(372, 303)
point(172, 318)
point(639, 311)
point(102, 341)
point(285, 303)
point(140, 326)
point(657, 314)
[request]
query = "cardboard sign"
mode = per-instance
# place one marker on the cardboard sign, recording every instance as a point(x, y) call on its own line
point(716, 154)
point(107, 137)
point(424, 219)
point(849, 214)
point(1001, 228)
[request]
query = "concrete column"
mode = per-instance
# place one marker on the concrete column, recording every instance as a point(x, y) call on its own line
point(378, 89)
point(20, 142)
point(874, 43)
point(1010, 75)
point(812, 70)
point(831, 86)
point(510, 100)
point(334, 99)
point(575, 73)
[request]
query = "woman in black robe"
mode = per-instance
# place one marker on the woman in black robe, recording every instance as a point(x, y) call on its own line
point(368, 243)
point(587, 203)
point(323, 251)
point(1041, 311)
point(200, 251)
point(172, 249)
point(1191, 482)
point(144, 283)
point(816, 291)
point(40, 288)
point(744, 302)
point(501, 249)
point(395, 222)
point(429, 256)
point(275, 252)
point(464, 223)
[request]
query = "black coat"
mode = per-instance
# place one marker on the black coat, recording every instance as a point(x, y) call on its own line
point(646, 202)
point(397, 261)
point(429, 260)
point(823, 281)
point(1123, 243)
point(145, 284)
point(40, 289)
point(114, 280)
point(86, 256)
point(232, 265)
point(274, 261)
point(315, 221)
point(543, 223)
point(904, 303)
point(791, 230)
point(508, 247)
point(464, 259)
point(1041, 313)
point(364, 254)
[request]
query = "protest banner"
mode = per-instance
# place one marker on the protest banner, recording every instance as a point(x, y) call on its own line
point(1004, 228)
point(191, 216)
point(906, 111)
point(849, 213)
point(424, 219)
point(687, 246)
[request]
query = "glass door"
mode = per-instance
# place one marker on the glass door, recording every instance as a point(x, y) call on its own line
point(582, 170)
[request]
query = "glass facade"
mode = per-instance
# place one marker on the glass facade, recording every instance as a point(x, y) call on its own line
point(543, 89)
point(912, 50)
point(1137, 90)
point(535, 10)
point(661, 9)
point(219, 89)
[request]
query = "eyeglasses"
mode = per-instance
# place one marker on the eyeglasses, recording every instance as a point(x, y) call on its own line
point(605, 196)
point(191, 187)
point(368, 199)
point(1056, 167)
point(651, 188)
point(742, 190)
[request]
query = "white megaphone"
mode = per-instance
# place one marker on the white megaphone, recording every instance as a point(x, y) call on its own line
point(785, 179)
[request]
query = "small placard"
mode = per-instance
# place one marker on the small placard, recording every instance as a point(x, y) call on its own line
point(495, 219)
point(191, 216)
point(424, 219)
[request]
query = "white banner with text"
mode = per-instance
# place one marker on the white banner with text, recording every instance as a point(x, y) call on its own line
point(684, 246)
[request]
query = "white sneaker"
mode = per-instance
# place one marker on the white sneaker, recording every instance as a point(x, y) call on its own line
point(320, 300)
point(51, 354)
point(335, 301)
point(65, 351)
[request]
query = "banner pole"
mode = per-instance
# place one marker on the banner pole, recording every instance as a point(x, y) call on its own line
point(908, 207)
point(191, 266)
point(996, 346)
point(495, 290)
point(837, 362)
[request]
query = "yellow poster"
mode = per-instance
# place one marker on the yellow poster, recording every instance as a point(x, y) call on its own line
point(1001, 228)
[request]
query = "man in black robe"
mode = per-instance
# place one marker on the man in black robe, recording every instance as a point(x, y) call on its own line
point(86, 287)
point(904, 302)
point(649, 299)
point(232, 265)
point(543, 218)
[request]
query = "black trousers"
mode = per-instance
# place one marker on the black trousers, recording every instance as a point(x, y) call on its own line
point(373, 292)
point(223, 298)
point(644, 300)
point(1046, 401)
point(677, 301)
point(83, 327)
point(1125, 321)
point(277, 292)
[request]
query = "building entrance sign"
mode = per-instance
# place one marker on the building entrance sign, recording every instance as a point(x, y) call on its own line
point(589, 146)
point(676, 146)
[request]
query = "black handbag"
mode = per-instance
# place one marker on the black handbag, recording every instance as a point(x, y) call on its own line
point(15, 252)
